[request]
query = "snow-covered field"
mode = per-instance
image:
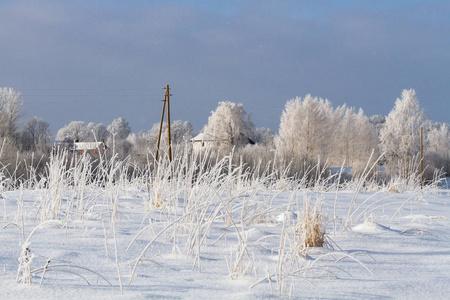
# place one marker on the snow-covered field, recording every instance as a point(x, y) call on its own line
point(208, 241)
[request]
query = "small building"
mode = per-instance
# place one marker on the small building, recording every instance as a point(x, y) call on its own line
point(203, 140)
point(89, 147)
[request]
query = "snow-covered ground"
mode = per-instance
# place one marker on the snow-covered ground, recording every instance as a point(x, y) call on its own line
point(400, 250)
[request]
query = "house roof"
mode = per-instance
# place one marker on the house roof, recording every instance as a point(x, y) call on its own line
point(205, 137)
point(87, 145)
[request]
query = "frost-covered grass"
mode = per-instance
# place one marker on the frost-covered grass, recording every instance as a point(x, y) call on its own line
point(196, 228)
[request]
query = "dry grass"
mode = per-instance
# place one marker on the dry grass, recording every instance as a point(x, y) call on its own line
point(311, 227)
point(188, 198)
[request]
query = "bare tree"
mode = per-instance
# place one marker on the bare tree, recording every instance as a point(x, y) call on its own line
point(36, 134)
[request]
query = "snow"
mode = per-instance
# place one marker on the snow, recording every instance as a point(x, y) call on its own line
point(369, 226)
point(286, 216)
point(406, 253)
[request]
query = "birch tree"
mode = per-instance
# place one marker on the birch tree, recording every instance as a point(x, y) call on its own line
point(365, 142)
point(306, 128)
point(10, 112)
point(400, 136)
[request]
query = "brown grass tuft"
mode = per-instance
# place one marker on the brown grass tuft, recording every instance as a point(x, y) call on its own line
point(311, 228)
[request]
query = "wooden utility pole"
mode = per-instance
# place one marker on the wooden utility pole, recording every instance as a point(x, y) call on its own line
point(169, 141)
point(421, 157)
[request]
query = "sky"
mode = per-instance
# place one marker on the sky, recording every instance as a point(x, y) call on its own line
point(95, 61)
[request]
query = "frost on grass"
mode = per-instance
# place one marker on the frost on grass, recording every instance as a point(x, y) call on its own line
point(311, 227)
point(188, 219)
point(25, 260)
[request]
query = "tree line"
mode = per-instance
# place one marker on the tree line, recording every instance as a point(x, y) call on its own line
point(312, 132)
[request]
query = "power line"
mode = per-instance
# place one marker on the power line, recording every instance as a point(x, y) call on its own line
point(65, 99)
point(87, 95)
point(85, 89)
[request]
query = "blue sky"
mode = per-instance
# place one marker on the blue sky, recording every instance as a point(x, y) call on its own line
point(99, 60)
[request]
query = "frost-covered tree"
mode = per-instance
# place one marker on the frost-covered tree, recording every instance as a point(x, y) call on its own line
point(400, 136)
point(258, 156)
point(265, 137)
point(146, 141)
point(79, 131)
point(76, 131)
point(96, 132)
point(36, 134)
point(10, 112)
point(378, 122)
point(140, 143)
point(231, 124)
point(307, 128)
point(348, 138)
point(119, 128)
point(311, 129)
point(437, 149)
point(118, 131)
point(365, 143)
point(179, 132)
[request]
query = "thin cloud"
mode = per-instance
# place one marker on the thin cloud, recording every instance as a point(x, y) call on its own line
point(258, 54)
